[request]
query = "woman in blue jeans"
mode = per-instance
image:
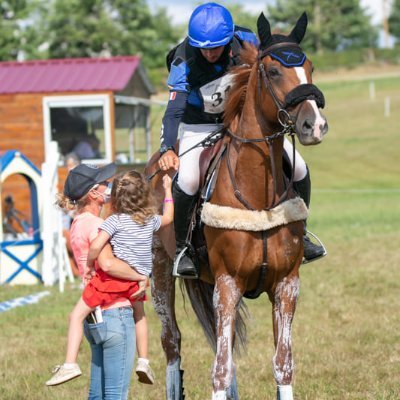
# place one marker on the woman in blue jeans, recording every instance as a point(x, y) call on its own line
point(111, 332)
point(113, 349)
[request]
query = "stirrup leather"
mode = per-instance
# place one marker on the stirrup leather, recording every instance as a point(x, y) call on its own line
point(321, 244)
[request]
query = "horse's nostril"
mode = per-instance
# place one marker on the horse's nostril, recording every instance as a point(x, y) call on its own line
point(324, 128)
point(307, 125)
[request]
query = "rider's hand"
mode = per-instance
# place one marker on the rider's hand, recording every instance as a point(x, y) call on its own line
point(168, 160)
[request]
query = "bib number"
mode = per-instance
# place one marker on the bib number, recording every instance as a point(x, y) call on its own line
point(214, 94)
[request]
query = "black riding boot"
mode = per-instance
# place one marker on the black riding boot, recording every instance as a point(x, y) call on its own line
point(311, 250)
point(184, 203)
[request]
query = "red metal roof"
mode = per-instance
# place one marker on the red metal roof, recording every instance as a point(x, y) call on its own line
point(67, 75)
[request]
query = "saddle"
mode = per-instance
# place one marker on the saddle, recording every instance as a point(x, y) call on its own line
point(209, 163)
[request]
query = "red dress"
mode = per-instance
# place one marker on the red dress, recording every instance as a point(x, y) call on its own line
point(84, 230)
point(104, 289)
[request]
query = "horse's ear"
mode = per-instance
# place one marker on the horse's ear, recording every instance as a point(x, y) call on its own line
point(299, 30)
point(264, 30)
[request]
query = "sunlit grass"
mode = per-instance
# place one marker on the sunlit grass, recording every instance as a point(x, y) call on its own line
point(346, 332)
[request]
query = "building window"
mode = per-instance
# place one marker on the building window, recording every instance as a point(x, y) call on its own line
point(79, 124)
point(131, 132)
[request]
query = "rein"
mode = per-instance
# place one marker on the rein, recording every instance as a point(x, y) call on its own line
point(210, 140)
point(288, 125)
point(269, 140)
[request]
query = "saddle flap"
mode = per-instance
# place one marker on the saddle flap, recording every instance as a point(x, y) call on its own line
point(207, 156)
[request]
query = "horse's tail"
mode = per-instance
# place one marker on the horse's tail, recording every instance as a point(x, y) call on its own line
point(201, 297)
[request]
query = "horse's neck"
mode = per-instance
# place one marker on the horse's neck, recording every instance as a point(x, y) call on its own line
point(254, 161)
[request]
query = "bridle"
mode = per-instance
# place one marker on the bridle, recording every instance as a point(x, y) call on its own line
point(285, 119)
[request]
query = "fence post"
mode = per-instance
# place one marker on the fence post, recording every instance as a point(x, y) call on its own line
point(386, 112)
point(55, 264)
point(372, 90)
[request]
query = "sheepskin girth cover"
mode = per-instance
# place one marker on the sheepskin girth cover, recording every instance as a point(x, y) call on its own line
point(247, 220)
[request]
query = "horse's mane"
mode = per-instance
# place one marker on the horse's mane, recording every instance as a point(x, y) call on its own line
point(240, 75)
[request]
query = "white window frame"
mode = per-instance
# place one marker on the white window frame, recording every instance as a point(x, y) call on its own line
point(95, 100)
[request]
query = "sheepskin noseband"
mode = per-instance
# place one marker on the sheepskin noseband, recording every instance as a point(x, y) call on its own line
point(246, 220)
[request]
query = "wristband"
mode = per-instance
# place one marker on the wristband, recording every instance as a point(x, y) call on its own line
point(165, 148)
point(168, 200)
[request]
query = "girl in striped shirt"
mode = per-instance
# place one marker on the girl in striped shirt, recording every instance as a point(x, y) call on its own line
point(130, 232)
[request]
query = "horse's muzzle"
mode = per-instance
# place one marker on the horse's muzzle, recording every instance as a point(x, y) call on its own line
point(312, 128)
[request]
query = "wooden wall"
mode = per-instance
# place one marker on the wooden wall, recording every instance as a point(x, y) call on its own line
point(21, 125)
point(22, 129)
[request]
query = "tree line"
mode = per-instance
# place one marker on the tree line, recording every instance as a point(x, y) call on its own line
point(42, 29)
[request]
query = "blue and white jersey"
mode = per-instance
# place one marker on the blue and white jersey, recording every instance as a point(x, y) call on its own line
point(198, 88)
point(131, 241)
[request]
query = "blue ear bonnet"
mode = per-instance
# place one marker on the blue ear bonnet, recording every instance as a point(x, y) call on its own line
point(288, 56)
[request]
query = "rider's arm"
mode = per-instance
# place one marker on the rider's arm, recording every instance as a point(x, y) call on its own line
point(171, 120)
point(179, 90)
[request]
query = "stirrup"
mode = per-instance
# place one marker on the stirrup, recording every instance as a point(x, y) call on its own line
point(177, 260)
point(321, 244)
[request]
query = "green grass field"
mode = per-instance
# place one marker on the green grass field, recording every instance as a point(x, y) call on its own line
point(346, 333)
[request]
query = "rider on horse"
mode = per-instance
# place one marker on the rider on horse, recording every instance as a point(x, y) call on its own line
point(198, 87)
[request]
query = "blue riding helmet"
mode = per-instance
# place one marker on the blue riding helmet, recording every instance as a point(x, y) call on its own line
point(210, 25)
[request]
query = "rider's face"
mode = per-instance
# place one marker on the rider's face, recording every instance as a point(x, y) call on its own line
point(212, 55)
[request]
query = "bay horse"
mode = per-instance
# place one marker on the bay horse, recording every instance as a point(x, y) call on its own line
point(253, 221)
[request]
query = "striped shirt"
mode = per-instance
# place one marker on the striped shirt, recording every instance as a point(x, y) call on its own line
point(131, 241)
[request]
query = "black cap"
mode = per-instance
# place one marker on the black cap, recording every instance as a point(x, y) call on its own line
point(83, 177)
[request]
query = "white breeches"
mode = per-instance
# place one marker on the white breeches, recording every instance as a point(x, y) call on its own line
point(300, 168)
point(189, 171)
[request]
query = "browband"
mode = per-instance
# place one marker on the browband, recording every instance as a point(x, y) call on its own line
point(265, 52)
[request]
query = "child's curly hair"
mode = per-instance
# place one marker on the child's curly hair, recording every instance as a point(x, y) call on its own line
point(131, 194)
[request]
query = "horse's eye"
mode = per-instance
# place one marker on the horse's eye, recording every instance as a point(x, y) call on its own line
point(273, 72)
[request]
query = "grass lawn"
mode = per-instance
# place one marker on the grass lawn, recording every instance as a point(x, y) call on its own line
point(346, 333)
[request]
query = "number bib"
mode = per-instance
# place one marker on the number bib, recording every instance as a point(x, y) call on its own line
point(214, 94)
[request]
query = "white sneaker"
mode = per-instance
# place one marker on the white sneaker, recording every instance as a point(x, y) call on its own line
point(62, 374)
point(144, 372)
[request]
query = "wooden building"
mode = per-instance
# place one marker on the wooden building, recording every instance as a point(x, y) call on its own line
point(96, 107)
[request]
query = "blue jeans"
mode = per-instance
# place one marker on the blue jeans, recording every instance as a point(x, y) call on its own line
point(113, 345)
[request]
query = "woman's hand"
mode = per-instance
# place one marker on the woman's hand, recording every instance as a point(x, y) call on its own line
point(169, 160)
point(88, 273)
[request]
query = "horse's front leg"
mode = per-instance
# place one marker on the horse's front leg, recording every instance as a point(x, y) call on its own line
point(284, 306)
point(226, 298)
point(163, 294)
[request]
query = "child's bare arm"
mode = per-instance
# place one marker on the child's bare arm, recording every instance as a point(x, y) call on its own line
point(168, 213)
point(96, 247)
point(117, 268)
